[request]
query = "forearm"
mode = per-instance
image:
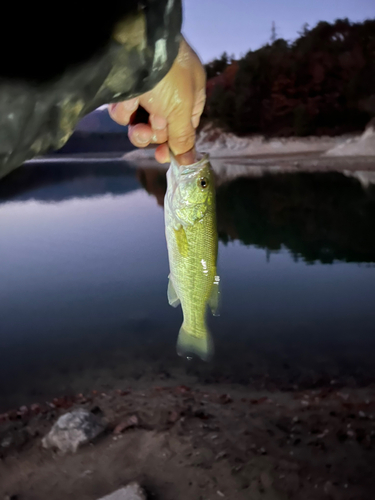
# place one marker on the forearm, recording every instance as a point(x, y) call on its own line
point(144, 49)
point(36, 118)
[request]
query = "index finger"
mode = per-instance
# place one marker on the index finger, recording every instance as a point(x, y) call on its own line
point(181, 133)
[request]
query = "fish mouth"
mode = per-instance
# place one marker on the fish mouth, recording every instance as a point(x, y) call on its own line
point(188, 169)
point(192, 170)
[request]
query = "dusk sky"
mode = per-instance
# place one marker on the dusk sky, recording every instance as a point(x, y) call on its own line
point(236, 26)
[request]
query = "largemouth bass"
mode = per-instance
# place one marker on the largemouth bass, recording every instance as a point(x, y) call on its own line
point(191, 233)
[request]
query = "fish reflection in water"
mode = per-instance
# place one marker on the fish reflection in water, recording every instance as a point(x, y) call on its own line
point(191, 233)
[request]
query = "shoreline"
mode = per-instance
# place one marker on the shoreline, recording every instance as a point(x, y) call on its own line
point(229, 168)
point(233, 156)
point(172, 438)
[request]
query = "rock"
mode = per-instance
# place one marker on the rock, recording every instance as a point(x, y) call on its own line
point(221, 454)
point(225, 399)
point(74, 429)
point(35, 409)
point(132, 491)
point(129, 422)
point(13, 435)
point(7, 441)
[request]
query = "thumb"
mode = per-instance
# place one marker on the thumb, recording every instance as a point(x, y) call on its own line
point(181, 133)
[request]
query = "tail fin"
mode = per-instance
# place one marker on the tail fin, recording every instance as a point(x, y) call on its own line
point(188, 344)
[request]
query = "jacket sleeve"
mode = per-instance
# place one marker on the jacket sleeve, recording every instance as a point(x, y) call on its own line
point(39, 115)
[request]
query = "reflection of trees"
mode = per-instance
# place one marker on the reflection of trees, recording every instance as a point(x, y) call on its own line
point(154, 181)
point(317, 216)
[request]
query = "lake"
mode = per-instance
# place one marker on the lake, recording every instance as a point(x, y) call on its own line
point(83, 280)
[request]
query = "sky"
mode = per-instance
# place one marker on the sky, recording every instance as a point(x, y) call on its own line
point(236, 26)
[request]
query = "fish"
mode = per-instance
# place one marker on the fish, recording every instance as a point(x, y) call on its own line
point(192, 243)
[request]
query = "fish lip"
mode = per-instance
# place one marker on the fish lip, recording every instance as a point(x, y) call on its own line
point(188, 169)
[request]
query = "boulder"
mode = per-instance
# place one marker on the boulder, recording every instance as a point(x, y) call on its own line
point(132, 491)
point(74, 429)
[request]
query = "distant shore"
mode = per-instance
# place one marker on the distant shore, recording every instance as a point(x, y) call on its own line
point(233, 157)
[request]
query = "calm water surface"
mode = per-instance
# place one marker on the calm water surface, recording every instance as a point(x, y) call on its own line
point(83, 279)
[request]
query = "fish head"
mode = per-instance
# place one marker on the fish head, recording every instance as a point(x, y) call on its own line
point(192, 190)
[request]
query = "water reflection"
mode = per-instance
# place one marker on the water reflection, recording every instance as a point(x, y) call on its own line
point(317, 216)
point(83, 278)
point(60, 180)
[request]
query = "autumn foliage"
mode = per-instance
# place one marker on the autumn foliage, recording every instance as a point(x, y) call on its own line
point(322, 83)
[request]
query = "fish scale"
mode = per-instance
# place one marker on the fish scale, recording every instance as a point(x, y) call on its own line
point(191, 233)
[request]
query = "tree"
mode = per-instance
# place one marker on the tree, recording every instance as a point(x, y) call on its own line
point(217, 66)
point(273, 33)
point(321, 83)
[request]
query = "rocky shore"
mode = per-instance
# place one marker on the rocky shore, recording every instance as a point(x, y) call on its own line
point(193, 443)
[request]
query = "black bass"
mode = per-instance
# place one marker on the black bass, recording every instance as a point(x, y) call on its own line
point(192, 241)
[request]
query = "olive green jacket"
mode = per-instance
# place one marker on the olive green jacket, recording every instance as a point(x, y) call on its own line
point(57, 66)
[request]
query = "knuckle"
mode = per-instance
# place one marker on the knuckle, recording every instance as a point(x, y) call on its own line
point(184, 139)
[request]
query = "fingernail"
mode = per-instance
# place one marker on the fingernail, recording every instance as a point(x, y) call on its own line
point(142, 138)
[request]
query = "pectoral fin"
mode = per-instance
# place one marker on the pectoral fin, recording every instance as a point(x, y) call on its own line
point(181, 240)
point(213, 301)
point(173, 300)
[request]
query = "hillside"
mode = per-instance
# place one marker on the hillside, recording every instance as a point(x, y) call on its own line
point(97, 133)
point(323, 83)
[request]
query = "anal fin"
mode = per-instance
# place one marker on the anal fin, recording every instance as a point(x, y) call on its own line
point(173, 299)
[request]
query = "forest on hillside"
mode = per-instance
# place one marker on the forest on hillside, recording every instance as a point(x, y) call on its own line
point(321, 83)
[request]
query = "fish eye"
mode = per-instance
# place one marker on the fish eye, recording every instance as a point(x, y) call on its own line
point(203, 182)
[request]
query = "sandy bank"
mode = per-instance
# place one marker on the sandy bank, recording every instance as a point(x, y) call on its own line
point(234, 157)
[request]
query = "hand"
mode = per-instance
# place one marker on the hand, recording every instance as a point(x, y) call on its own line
point(175, 106)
